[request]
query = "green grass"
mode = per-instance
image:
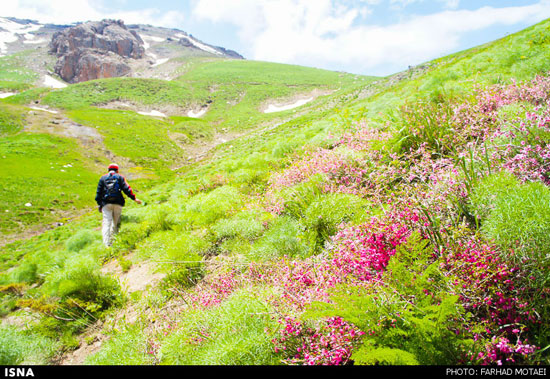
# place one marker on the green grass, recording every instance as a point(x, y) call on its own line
point(206, 209)
point(47, 172)
point(11, 119)
point(520, 56)
point(144, 140)
point(234, 334)
point(140, 91)
point(13, 69)
point(127, 347)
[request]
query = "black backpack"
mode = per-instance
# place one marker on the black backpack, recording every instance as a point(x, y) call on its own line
point(112, 188)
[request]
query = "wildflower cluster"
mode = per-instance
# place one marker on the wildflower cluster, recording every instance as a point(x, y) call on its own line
point(419, 173)
point(329, 343)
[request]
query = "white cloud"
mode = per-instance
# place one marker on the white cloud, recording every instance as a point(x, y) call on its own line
point(400, 4)
point(324, 33)
point(68, 12)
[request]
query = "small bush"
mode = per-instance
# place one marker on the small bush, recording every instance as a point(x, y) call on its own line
point(81, 239)
point(516, 216)
point(205, 208)
point(127, 347)
point(20, 347)
point(327, 212)
point(80, 280)
point(283, 238)
point(230, 334)
point(244, 224)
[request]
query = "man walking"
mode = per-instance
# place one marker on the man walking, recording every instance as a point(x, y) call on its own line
point(110, 201)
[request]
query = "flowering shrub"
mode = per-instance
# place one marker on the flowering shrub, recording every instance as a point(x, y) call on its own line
point(455, 296)
point(501, 351)
point(330, 343)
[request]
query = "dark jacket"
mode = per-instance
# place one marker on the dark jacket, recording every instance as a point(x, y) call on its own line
point(119, 199)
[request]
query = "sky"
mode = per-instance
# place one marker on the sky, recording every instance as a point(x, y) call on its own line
point(369, 37)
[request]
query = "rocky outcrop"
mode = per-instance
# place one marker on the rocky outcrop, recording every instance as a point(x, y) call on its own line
point(95, 50)
point(230, 53)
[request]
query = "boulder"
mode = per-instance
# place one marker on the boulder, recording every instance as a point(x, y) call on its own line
point(95, 50)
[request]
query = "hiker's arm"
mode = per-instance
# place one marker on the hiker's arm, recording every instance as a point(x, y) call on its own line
point(99, 192)
point(128, 190)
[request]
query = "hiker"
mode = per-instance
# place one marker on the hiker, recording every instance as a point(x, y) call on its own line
point(110, 200)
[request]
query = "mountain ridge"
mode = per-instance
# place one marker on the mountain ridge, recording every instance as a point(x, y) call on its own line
point(159, 44)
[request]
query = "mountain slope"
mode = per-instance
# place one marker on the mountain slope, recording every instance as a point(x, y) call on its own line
point(374, 212)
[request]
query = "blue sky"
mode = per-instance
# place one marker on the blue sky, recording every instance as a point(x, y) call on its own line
point(372, 37)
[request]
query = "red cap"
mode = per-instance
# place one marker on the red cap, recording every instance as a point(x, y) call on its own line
point(113, 166)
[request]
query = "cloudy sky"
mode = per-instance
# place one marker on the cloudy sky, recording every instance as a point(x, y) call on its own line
point(373, 37)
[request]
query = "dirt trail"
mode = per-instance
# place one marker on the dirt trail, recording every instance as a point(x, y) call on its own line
point(141, 276)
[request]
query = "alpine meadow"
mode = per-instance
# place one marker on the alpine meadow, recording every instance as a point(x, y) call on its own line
point(291, 215)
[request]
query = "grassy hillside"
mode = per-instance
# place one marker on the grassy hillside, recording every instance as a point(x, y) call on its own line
point(398, 220)
point(149, 148)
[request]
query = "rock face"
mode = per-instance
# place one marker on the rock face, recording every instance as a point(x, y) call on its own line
point(95, 50)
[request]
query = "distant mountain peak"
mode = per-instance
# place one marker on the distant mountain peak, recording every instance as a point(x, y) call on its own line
point(105, 48)
point(95, 50)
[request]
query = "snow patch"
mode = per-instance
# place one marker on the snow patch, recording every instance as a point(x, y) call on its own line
point(146, 37)
point(12, 30)
point(274, 108)
point(6, 94)
point(159, 62)
point(53, 83)
point(146, 45)
point(198, 44)
point(34, 41)
point(43, 109)
point(153, 113)
point(198, 114)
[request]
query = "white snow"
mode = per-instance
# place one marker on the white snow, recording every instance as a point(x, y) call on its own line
point(43, 109)
point(6, 94)
point(274, 108)
point(12, 30)
point(146, 37)
point(52, 82)
point(159, 62)
point(146, 46)
point(197, 114)
point(153, 113)
point(198, 44)
point(35, 41)
point(28, 205)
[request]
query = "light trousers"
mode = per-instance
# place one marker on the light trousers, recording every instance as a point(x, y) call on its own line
point(111, 222)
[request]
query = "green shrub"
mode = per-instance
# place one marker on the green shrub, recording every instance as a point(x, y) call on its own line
point(323, 216)
point(298, 198)
point(81, 239)
point(408, 316)
point(516, 216)
point(130, 236)
point(428, 122)
point(369, 355)
point(180, 254)
point(21, 347)
point(205, 208)
point(11, 350)
point(283, 238)
point(230, 334)
point(162, 219)
point(245, 224)
point(81, 281)
point(27, 272)
point(126, 347)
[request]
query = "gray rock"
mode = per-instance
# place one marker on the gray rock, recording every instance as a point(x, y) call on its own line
point(95, 50)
